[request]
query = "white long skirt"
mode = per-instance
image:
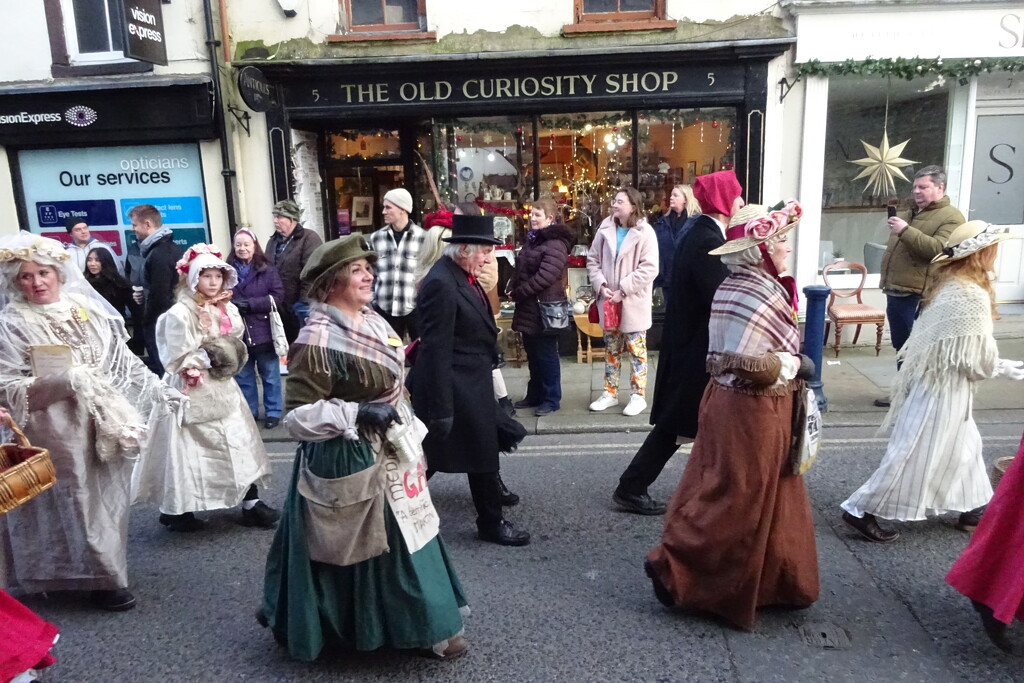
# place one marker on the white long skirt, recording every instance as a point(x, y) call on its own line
point(933, 463)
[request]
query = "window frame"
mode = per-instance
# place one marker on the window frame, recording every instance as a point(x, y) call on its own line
point(407, 27)
point(657, 12)
point(76, 57)
point(602, 22)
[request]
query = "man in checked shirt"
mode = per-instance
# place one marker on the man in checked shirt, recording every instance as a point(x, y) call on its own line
point(398, 248)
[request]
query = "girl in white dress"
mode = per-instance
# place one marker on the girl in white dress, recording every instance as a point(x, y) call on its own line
point(934, 463)
point(218, 459)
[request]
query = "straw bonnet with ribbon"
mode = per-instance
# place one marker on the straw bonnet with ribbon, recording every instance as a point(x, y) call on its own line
point(969, 238)
point(755, 224)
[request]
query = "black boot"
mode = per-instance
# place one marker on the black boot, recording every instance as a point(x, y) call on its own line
point(503, 533)
point(508, 499)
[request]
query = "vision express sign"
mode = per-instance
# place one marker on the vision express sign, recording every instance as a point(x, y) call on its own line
point(363, 94)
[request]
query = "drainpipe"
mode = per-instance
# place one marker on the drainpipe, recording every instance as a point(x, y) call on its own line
point(225, 157)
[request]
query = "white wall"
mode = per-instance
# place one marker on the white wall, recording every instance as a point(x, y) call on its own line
point(24, 46)
point(316, 19)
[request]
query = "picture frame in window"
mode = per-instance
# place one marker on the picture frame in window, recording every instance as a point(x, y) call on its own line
point(691, 171)
point(362, 211)
point(707, 168)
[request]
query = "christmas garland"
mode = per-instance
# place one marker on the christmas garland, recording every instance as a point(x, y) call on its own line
point(911, 67)
point(502, 210)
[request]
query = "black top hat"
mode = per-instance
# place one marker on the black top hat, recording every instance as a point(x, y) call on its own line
point(472, 230)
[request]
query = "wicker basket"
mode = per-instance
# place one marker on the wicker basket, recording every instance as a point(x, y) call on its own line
point(999, 468)
point(25, 471)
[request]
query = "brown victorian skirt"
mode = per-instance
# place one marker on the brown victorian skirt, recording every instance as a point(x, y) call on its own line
point(738, 530)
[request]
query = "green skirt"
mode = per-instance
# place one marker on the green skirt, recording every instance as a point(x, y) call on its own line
point(395, 600)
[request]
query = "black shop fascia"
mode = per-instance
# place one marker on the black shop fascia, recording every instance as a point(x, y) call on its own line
point(402, 97)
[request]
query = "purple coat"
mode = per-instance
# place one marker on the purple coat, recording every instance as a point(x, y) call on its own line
point(261, 283)
point(540, 267)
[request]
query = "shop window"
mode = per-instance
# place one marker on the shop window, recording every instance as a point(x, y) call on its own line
point(677, 145)
point(618, 15)
point(860, 110)
point(362, 166)
point(360, 145)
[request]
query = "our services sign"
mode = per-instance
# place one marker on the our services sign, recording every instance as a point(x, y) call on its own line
point(143, 25)
point(99, 185)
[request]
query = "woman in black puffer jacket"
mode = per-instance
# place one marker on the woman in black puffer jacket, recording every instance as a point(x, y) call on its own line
point(540, 270)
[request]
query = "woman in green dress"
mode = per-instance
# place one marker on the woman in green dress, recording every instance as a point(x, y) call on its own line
point(357, 561)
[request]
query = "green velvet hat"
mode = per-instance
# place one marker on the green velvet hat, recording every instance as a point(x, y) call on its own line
point(332, 255)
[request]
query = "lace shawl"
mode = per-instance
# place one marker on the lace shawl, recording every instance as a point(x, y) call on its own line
point(951, 337)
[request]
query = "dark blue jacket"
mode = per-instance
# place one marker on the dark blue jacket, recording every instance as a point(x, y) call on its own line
point(256, 289)
point(667, 229)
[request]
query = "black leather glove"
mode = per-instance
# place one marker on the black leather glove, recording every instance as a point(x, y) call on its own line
point(243, 307)
point(376, 417)
point(807, 368)
point(440, 428)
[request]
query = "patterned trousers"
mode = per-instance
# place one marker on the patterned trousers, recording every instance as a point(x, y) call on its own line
point(635, 344)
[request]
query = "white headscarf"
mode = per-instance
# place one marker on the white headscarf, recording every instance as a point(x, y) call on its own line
point(16, 250)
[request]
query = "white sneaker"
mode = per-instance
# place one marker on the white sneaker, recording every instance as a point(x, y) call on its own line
point(635, 406)
point(605, 401)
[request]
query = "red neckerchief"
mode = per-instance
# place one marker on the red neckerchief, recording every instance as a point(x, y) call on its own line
point(475, 284)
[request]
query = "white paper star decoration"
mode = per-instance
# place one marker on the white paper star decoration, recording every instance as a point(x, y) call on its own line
point(488, 139)
point(882, 166)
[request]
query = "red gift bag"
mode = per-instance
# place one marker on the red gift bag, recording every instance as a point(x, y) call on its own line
point(592, 313)
point(612, 314)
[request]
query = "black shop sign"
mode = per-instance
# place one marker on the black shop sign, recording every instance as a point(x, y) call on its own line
point(520, 90)
point(143, 24)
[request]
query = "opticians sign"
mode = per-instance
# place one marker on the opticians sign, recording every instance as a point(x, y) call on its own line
point(99, 185)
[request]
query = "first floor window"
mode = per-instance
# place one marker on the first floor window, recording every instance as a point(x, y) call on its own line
point(93, 30)
point(390, 15)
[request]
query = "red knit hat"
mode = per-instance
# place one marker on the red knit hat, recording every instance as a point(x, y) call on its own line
point(439, 217)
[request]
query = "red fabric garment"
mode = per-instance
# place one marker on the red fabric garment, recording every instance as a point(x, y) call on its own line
point(715, 192)
point(25, 639)
point(990, 570)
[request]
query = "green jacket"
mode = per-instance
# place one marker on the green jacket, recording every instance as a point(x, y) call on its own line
point(909, 254)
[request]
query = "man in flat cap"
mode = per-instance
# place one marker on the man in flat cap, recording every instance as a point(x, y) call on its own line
point(288, 249)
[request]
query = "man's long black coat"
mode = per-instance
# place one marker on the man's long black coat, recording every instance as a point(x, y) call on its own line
point(452, 374)
point(682, 376)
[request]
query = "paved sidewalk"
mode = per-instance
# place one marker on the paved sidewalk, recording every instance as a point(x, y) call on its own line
point(851, 383)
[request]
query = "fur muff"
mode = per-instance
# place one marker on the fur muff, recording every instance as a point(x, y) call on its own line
point(228, 356)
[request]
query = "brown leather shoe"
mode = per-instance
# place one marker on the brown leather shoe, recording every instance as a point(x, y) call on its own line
point(868, 527)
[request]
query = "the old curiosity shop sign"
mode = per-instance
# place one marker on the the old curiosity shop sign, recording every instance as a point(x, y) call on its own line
point(523, 90)
point(143, 25)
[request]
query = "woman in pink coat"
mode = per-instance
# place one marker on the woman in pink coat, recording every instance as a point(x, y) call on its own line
point(623, 262)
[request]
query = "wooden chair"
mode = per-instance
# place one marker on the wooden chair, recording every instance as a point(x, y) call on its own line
point(584, 331)
point(853, 313)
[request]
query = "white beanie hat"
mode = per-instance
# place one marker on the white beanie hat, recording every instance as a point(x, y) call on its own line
point(401, 198)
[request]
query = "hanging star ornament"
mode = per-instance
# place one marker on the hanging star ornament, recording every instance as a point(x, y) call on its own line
point(882, 166)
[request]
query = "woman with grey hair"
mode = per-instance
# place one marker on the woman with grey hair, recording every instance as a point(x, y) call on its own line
point(68, 378)
point(738, 530)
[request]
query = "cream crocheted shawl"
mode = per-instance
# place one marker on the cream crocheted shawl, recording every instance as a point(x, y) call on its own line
point(951, 340)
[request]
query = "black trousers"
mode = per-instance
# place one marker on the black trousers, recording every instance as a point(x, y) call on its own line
point(649, 461)
point(485, 487)
point(401, 324)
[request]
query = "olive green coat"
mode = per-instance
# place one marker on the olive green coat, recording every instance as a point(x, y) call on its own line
point(909, 254)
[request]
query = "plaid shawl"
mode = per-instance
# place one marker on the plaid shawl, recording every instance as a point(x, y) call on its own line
point(336, 347)
point(751, 317)
point(395, 285)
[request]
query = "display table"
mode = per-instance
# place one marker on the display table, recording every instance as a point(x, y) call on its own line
point(585, 330)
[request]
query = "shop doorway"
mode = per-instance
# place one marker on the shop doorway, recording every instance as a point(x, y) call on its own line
point(997, 191)
point(362, 165)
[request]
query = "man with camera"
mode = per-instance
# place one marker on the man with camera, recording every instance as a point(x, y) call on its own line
point(914, 241)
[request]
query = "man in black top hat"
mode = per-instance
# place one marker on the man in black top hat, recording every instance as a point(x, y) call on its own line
point(451, 380)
